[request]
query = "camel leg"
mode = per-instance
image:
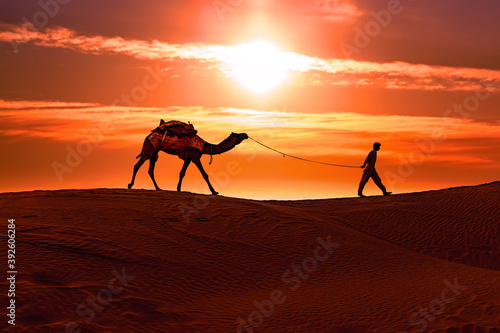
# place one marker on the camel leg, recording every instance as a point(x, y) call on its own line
point(183, 172)
point(205, 176)
point(137, 166)
point(152, 162)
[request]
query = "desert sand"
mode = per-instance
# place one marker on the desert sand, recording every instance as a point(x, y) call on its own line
point(115, 260)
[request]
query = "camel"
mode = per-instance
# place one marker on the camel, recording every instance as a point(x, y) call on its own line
point(188, 155)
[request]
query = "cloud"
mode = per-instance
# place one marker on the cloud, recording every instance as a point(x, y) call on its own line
point(335, 10)
point(307, 70)
point(26, 105)
point(300, 133)
point(468, 155)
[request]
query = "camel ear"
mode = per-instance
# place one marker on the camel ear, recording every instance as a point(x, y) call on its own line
point(161, 122)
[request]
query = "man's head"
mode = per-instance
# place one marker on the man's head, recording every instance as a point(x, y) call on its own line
point(376, 146)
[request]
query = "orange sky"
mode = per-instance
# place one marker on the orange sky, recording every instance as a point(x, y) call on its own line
point(425, 83)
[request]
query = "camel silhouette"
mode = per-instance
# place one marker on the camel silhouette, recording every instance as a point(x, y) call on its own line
point(189, 155)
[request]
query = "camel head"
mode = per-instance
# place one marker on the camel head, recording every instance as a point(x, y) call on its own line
point(239, 137)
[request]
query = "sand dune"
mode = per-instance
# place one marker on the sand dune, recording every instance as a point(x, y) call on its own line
point(113, 260)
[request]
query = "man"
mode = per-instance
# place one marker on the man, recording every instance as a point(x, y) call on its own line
point(370, 171)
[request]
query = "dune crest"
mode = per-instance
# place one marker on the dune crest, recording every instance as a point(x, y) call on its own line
point(113, 260)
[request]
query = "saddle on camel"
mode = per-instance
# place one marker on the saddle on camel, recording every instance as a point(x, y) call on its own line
point(176, 135)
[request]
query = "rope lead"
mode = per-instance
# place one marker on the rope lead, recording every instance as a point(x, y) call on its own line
point(302, 159)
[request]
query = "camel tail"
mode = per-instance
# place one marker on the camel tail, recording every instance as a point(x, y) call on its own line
point(143, 145)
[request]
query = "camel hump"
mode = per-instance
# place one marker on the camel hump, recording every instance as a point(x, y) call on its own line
point(178, 127)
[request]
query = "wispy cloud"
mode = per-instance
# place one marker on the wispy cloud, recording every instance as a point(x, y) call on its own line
point(296, 132)
point(308, 70)
point(336, 10)
point(340, 138)
point(17, 105)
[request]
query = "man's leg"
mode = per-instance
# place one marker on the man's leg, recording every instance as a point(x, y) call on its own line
point(378, 182)
point(364, 180)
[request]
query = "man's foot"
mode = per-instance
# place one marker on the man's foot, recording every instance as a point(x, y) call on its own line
point(387, 193)
point(361, 195)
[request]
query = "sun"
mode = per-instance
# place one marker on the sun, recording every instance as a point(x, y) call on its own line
point(259, 66)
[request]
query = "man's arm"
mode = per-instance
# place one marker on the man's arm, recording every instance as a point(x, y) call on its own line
point(368, 159)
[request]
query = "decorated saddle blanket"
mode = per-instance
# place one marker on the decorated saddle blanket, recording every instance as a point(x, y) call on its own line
point(176, 127)
point(178, 142)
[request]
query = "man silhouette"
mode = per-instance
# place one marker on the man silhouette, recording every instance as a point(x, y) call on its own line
point(370, 171)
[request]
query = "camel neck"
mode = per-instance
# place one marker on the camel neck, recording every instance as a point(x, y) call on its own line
point(220, 148)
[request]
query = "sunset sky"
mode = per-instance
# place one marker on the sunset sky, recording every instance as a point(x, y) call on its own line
point(83, 83)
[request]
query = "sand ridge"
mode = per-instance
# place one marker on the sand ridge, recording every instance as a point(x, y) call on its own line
point(198, 263)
